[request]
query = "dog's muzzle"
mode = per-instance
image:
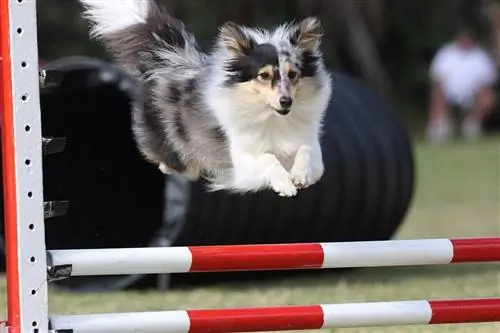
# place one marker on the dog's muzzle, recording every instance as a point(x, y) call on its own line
point(285, 103)
point(283, 112)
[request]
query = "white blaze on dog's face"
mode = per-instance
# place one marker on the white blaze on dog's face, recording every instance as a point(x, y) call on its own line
point(268, 67)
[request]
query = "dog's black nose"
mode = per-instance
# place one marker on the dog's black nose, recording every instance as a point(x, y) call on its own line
point(286, 102)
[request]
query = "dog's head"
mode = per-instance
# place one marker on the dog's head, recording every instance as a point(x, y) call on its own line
point(272, 68)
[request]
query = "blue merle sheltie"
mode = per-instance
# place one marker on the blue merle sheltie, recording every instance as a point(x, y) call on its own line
point(245, 116)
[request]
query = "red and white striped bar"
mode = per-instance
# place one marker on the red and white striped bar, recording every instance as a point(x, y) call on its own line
point(286, 318)
point(276, 257)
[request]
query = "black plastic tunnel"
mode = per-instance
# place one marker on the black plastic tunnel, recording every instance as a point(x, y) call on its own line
point(119, 200)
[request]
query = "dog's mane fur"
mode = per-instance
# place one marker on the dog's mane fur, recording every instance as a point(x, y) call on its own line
point(193, 109)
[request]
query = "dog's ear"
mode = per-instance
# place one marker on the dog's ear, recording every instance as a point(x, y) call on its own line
point(307, 34)
point(235, 39)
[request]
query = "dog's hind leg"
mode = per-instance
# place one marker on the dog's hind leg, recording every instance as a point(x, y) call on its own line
point(191, 173)
point(173, 164)
point(165, 169)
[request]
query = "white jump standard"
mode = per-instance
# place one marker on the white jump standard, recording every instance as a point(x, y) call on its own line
point(22, 168)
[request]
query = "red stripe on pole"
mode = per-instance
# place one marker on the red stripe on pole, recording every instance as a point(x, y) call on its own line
point(9, 172)
point(476, 250)
point(256, 257)
point(465, 311)
point(256, 319)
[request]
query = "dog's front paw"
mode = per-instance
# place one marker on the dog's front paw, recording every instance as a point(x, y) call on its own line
point(301, 177)
point(305, 176)
point(283, 185)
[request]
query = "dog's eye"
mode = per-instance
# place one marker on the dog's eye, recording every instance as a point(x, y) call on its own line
point(292, 75)
point(265, 76)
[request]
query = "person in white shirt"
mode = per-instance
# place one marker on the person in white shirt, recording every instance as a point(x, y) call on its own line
point(463, 75)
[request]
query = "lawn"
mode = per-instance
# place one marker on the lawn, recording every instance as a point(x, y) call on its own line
point(457, 195)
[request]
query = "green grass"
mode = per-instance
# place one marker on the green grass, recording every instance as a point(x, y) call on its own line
point(457, 196)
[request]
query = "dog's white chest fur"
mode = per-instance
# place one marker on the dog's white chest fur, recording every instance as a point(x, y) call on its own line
point(268, 149)
point(281, 136)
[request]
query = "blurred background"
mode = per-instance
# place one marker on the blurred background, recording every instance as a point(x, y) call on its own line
point(385, 178)
point(389, 43)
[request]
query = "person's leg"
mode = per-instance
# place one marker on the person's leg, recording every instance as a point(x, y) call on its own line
point(439, 124)
point(484, 101)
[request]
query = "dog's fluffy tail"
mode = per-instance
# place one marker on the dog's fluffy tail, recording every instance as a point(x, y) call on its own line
point(140, 33)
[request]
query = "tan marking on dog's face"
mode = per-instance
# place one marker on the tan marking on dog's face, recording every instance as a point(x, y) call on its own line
point(272, 82)
point(265, 85)
point(266, 74)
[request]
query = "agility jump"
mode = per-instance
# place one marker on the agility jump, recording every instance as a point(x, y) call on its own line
point(30, 266)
